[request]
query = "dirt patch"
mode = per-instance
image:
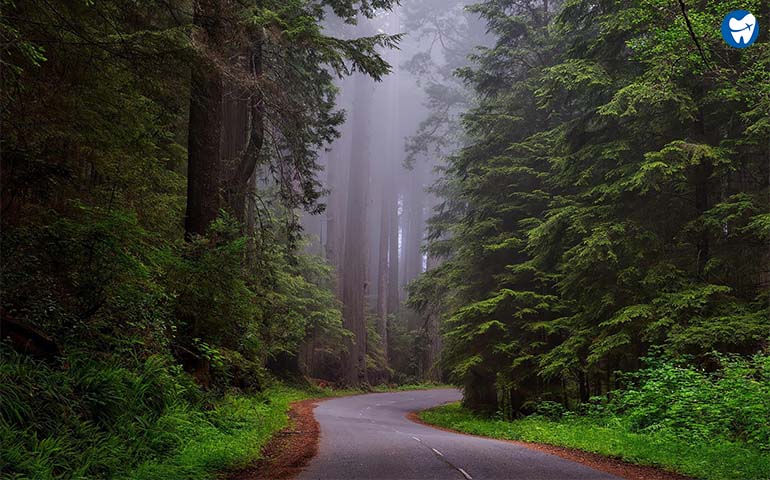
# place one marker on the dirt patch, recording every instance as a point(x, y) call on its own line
point(287, 453)
point(609, 465)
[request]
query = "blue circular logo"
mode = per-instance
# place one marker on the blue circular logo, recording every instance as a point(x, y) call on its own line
point(740, 29)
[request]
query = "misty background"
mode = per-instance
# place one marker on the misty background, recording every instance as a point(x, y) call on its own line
point(379, 176)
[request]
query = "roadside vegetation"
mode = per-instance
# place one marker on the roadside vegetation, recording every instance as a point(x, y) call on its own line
point(147, 323)
point(711, 426)
point(99, 420)
point(150, 421)
point(200, 202)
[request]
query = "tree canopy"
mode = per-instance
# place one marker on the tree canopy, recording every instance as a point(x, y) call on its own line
point(611, 202)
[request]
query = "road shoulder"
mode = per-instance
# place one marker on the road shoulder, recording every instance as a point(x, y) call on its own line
point(609, 465)
point(290, 450)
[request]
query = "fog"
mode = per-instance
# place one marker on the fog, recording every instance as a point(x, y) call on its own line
point(379, 172)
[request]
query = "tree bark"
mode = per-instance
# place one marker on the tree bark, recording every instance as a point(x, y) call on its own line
point(394, 297)
point(245, 164)
point(336, 181)
point(383, 271)
point(412, 241)
point(355, 258)
point(334, 212)
point(415, 230)
point(204, 167)
point(433, 330)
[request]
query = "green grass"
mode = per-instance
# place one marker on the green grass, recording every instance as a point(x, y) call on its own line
point(408, 388)
point(228, 437)
point(233, 435)
point(98, 420)
point(717, 459)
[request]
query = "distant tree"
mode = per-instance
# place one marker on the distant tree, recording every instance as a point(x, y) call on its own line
point(278, 59)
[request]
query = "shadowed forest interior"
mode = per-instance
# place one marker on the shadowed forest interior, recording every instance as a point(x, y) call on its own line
point(213, 208)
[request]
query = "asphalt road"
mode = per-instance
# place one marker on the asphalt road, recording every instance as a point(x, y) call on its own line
point(369, 437)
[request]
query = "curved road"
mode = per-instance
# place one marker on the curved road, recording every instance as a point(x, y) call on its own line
point(369, 437)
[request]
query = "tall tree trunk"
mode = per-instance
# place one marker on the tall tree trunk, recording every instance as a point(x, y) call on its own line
point(394, 297)
point(204, 167)
point(332, 208)
point(204, 160)
point(413, 257)
point(246, 162)
point(335, 213)
point(433, 330)
point(382, 271)
point(355, 258)
point(387, 285)
point(338, 171)
point(414, 209)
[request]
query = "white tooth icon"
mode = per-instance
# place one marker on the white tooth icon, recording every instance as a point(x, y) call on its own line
point(742, 30)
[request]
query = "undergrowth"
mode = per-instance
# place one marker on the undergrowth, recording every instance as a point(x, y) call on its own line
point(712, 426)
point(92, 419)
point(99, 420)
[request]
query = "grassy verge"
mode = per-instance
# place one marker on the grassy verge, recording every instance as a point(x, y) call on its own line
point(233, 435)
point(717, 459)
point(105, 420)
point(230, 436)
point(407, 388)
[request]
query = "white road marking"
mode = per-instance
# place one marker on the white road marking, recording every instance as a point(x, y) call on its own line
point(437, 452)
point(417, 439)
point(465, 474)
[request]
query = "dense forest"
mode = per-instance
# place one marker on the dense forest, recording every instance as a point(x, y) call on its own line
point(550, 204)
point(610, 203)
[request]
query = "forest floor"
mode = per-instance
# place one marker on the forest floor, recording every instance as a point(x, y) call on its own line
point(609, 448)
point(232, 435)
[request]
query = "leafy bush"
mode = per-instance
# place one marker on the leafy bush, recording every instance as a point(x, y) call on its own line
point(90, 279)
point(550, 410)
point(708, 424)
point(708, 459)
point(731, 402)
point(120, 310)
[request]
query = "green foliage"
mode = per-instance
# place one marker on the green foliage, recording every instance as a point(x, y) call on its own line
point(106, 304)
point(709, 459)
point(406, 351)
point(707, 424)
point(710, 425)
point(230, 436)
point(100, 420)
point(91, 280)
point(610, 201)
point(732, 402)
point(90, 419)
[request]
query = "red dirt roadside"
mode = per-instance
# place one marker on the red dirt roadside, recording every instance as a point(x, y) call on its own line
point(291, 449)
point(609, 465)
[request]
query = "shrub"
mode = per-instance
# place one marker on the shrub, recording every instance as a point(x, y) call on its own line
point(731, 402)
point(91, 419)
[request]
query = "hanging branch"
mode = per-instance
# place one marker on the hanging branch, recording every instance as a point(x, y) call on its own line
point(692, 34)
